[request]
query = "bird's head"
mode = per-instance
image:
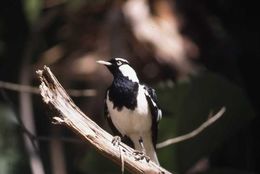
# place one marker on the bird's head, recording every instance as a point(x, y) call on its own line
point(120, 66)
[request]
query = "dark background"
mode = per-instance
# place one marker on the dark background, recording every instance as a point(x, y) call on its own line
point(204, 58)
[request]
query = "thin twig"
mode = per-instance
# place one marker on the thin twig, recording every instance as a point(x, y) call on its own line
point(122, 161)
point(35, 90)
point(19, 88)
point(195, 132)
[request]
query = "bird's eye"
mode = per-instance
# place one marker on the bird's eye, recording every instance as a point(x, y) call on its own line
point(118, 63)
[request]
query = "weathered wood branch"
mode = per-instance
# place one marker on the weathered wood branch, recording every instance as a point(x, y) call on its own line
point(70, 115)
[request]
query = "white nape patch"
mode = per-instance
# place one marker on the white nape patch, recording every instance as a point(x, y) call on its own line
point(129, 72)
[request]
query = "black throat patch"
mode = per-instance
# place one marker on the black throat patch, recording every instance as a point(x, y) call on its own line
point(123, 92)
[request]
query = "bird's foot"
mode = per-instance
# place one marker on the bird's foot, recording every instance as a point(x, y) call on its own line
point(116, 140)
point(139, 155)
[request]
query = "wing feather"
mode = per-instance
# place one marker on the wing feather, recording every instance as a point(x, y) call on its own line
point(155, 111)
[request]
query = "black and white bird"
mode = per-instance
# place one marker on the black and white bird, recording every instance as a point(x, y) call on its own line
point(131, 107)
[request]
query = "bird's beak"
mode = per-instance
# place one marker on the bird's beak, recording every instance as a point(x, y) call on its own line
point(104, 62)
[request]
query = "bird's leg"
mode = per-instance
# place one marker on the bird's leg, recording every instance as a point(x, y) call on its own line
point(139, 155)
point(142, 145)
point(116, 140)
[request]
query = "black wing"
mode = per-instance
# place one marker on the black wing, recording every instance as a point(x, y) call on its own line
point(155, 111)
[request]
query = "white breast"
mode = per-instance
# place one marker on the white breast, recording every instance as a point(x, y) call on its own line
point(135, 121)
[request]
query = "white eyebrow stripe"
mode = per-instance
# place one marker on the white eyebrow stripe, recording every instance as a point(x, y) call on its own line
point(121, 59)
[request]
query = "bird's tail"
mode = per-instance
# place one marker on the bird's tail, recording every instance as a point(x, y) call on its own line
point(150, 151)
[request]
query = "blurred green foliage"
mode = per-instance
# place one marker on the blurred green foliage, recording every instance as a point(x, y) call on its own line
point(190, 103)
point(12, 158)
point(32, 9)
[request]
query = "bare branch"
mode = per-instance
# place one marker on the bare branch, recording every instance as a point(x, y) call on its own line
point(70, 115)
point(195, 132)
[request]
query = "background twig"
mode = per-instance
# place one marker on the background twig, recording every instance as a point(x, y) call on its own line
point(35, 90)
point(194, 132)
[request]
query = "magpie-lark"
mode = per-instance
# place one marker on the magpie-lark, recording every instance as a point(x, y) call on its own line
point(131, 107)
